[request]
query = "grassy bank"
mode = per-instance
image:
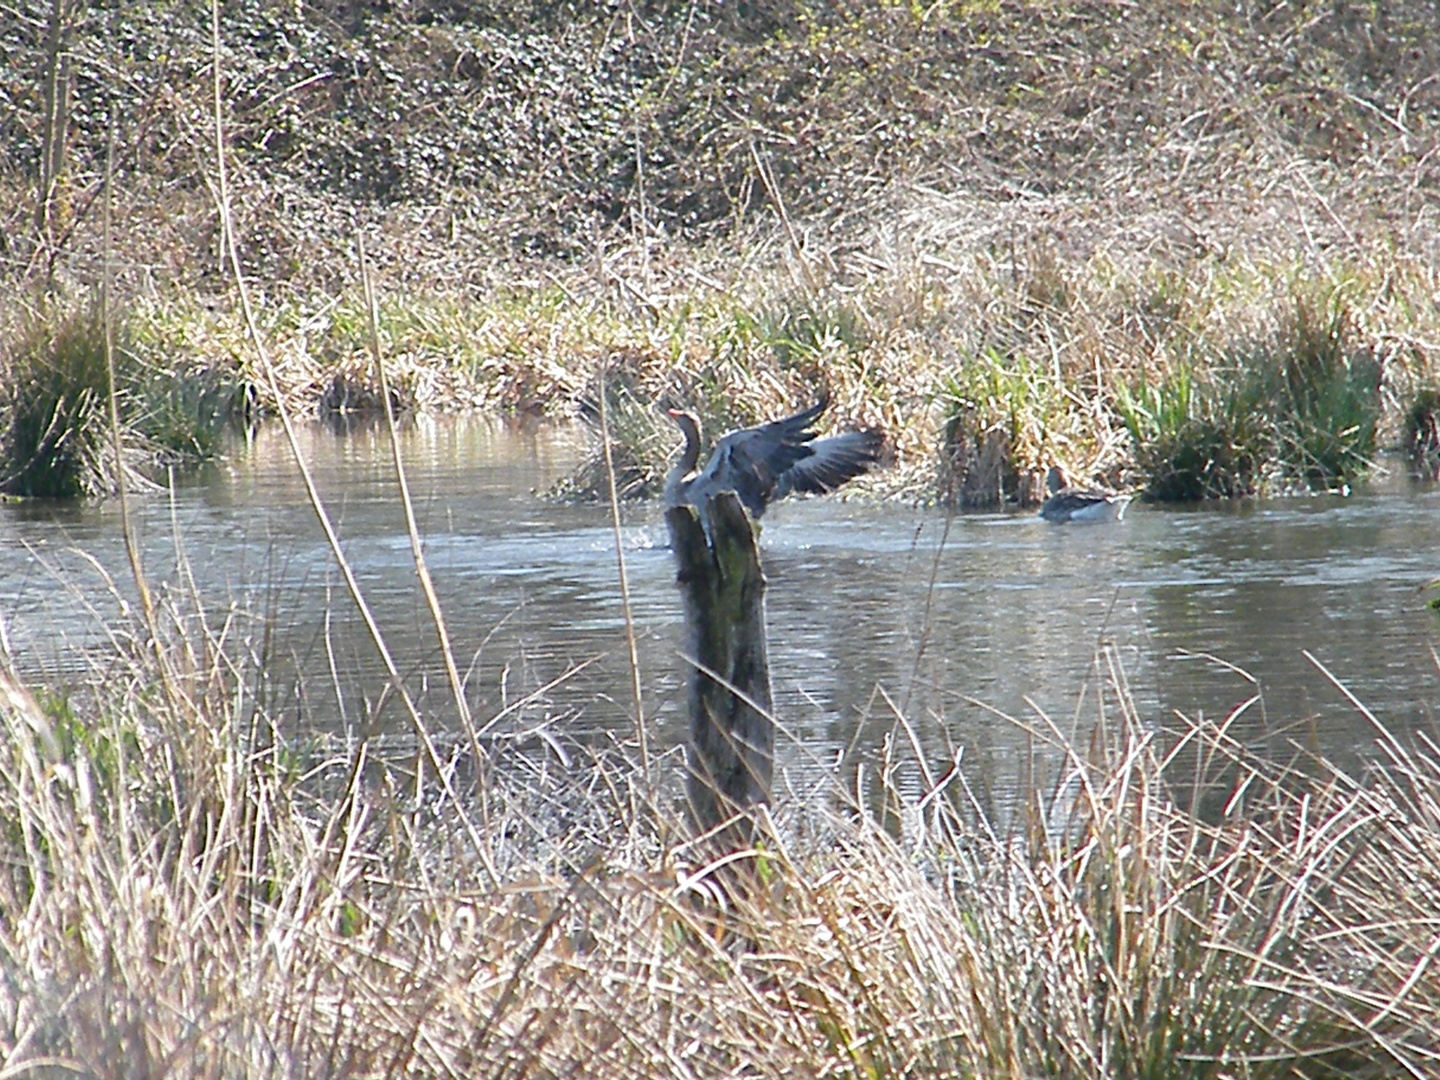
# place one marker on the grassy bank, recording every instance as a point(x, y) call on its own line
point(1188, 249)
point(1229, 379)
point(184, 892)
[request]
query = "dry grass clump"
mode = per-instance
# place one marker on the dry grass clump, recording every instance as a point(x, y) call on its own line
point(54, 388)
point(186, 891)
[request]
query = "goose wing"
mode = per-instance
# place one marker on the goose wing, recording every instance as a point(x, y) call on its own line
point(752, 461)
point(831, 463)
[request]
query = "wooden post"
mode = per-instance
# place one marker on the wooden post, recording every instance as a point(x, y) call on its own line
point(732, 738)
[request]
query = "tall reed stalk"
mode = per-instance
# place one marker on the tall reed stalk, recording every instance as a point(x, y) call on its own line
point(179, 897)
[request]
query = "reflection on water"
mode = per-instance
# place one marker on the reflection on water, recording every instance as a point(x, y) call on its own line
point(984, 630)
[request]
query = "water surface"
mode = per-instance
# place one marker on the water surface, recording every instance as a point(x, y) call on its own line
point(981, 629)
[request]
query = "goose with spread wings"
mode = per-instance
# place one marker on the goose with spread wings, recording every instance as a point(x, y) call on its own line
point(768, 462)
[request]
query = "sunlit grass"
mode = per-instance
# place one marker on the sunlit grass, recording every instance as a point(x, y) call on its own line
point(175, 406)
point(183, 885)
point(1329, 411)
point(1189, 381)
point(1200, 435)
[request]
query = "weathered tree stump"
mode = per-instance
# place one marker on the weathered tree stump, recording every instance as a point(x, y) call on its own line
point(732, 737)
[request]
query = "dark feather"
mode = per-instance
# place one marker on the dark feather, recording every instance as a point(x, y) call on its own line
point(767, 462)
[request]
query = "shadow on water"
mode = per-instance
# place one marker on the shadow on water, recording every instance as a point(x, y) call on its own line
point(988, 641)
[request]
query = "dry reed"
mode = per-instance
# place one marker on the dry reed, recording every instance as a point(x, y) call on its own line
point(184, 894)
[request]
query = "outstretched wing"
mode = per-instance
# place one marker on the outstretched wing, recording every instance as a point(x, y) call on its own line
point(831, 463)
point(767, 462)
point(751, 462)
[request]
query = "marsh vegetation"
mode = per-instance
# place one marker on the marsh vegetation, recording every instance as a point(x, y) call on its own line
point(1188, 250)
point(1185, 247)
point(186, 892)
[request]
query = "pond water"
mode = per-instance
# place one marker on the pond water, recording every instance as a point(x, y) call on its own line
point(975, 626)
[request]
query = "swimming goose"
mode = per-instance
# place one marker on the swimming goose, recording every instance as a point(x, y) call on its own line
point(768, 462)
point(1068, 503)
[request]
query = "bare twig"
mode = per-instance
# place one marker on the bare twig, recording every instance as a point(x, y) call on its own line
point(634, 654)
